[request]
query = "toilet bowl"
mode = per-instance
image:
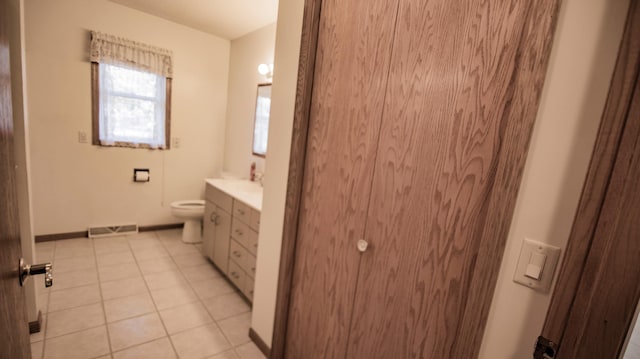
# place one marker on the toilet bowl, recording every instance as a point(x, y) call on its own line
point(191, 212)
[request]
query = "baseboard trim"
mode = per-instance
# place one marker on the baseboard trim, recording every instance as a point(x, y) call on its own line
point(160, 227)
point(58, 236)
point(84, 234)
point(264, 348)
point(36, 326)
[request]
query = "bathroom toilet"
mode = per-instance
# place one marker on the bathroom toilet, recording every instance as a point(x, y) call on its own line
point(191, 212)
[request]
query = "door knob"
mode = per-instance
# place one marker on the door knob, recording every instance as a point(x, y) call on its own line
point(362, 245)
point(26, 270)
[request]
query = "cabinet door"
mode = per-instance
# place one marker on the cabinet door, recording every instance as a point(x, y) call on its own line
point(221, 244)
point(209, 232)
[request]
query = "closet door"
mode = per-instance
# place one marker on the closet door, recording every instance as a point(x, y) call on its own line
point(464, 83)
point(352, 63)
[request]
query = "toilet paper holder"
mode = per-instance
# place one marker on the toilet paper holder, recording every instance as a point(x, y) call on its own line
point(141, 175)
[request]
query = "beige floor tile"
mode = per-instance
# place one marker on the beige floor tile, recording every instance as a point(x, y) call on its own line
point(164, 280)
point(43, 301)
point(74, 297)
point(140, 235)
point(68, 248)
point(149, 253)
point(157, 265)
point(123, 288)
point(127, 307)
point(209, 288)
point(177, 248)
point(74, 263)
point(74, 279)
point(174, 296)
point(236, 329)
point(138, 330)
point(184, 317)
point(170, 235)
point(141, 242)
point(249, 351)
point(200, 272)
point(89, 343)
point(226, 305)
point(73, 320)
point(200, 342)
point(36, 350)
point(231, 354)
point(111, 245)
point(115, 258)
point(190, 260)
point(39, 336)
point(157, 349)
point(120, 271)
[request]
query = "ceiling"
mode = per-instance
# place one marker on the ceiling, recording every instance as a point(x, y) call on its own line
point(228, 19)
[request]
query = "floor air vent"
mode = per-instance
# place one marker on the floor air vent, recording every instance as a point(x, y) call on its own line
point(112, 230)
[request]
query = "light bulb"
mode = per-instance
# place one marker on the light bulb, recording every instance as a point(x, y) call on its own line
point(263, 69)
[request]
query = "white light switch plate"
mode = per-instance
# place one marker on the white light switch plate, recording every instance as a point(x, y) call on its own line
point(552, 255)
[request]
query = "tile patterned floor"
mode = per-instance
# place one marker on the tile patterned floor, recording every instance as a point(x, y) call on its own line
point(140, 296)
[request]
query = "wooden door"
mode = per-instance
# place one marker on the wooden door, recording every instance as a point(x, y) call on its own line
point(598, 287)
point(14, 329)
point(458, 114)
point(419, 123)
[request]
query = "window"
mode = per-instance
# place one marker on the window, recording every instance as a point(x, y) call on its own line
point(131, 99)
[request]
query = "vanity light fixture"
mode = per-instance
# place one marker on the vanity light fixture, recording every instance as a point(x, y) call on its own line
point(266, 71)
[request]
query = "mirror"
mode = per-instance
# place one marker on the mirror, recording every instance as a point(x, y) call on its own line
point(261, 124)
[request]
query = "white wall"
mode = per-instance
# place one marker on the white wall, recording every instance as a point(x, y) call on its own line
point(247, 52)
point(582, 59)
point(76, 185)
point(21, 144)
point(283, 96)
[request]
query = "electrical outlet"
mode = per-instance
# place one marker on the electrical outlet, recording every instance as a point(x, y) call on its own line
point(82, 137)
point(175, 142)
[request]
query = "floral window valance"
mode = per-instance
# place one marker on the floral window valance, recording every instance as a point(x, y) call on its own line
point(117, 50)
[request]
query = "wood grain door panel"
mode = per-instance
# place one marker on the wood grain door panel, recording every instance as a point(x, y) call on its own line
point(351, 72)
point(454, 76)
point(14, 330)
point(606, 299)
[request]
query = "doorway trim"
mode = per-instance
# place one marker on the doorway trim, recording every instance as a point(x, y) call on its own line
point(605, 152)
point(304, 90)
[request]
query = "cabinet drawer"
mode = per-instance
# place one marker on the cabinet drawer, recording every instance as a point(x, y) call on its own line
point(253, 243)
point(243, 258)
point(236, 275)
point(218, 197)
point(248, 288)
point(240, 232)
point(241, 211)
point(254, 220)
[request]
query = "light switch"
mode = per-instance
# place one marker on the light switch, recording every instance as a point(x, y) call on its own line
point(536, 265)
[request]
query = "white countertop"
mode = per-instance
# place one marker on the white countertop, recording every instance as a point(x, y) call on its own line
point(243, 190)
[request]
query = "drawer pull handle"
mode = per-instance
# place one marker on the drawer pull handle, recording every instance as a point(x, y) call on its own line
point(239, 232)
point(214, 218)
point(241, 211)
point(237, 254)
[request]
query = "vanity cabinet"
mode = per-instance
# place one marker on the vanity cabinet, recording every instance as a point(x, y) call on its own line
point(230, 237)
